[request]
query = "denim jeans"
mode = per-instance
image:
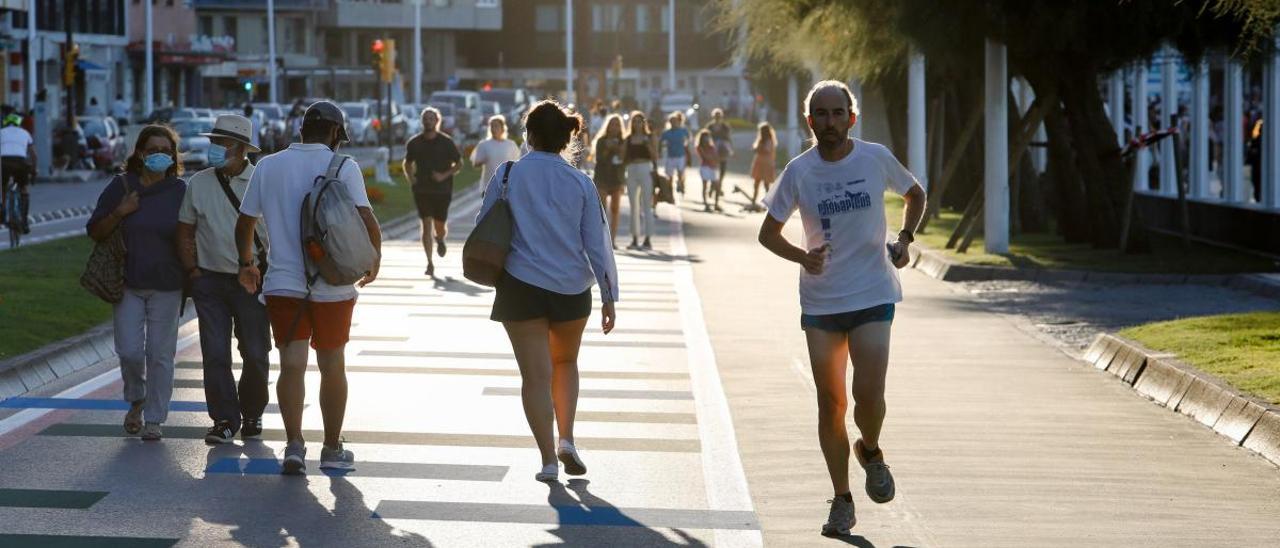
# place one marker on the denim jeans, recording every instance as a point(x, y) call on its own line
point(146, 334)
point(224, 309)
point(640, 196)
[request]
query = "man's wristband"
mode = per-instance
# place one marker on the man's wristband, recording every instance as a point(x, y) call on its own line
point(246, 264)
point(906, 236)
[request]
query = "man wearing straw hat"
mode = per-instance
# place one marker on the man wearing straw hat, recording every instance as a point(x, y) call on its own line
point(207, 249)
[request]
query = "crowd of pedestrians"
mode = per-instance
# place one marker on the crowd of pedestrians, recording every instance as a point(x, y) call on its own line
point(228, 236)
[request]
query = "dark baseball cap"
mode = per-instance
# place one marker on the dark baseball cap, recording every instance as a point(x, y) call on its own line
point(328, 112)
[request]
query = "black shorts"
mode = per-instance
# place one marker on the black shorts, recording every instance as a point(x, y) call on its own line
point(433, 205)
point(517, 301)
point(845, 322)
point(16, 168)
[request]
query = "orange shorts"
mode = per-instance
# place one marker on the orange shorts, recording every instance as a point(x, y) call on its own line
point(328, 325)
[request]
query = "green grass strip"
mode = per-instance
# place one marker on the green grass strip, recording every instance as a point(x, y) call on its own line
point(1241, 349)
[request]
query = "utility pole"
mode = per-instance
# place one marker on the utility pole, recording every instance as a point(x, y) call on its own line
point(31, 54)
point(271, 49)
point(671, 45)
point(417, 52)
point(568, 51)
point(68, 81)
point(148, 71)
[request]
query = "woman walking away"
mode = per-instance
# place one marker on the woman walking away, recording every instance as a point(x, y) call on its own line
point(558, 250)
point(610, 170)
point(143, 203)
point(763, 166)
point(709, 156)
point(641, 157)
point(494, 151)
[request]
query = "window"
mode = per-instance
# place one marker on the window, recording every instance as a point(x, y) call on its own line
point(486, 3)
point(642, 18)
point(229, 28)
point(666, 19)
point(206, 25)
point(548, 18)
point(605, 17)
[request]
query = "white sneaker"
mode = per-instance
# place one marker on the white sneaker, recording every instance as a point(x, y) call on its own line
point(568, 455)
point(550, 472)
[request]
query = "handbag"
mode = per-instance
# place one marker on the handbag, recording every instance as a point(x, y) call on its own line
point(225, 183)
point(662, 188)
point(484, 255)
point(103, 274)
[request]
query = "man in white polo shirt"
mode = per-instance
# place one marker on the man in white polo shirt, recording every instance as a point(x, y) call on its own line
point(320, 313)
point(207, 249)
point(849, 282)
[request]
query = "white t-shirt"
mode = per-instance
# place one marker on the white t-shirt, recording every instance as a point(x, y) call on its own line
point(276, 190)
point(491, 153)
point(842, 203)
point(14, 141)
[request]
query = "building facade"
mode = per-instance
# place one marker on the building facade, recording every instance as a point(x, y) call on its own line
point(99, 28)
point(242, 24)
point(620, 51)
point(179, 52)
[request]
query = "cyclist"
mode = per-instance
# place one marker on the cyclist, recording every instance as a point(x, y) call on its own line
point(17, 162)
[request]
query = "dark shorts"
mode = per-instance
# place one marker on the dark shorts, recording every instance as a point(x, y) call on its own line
point(433, 205)
point(516, 301)
point(328, 325)
point(845, 322)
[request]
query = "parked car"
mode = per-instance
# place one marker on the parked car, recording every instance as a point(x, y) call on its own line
point(395, 119)
point(193, 147)
point(168, 114)
point(205, 113)
point(412, 119)
point(514, 102)
point(104, 141)
point(466, 104)
point(359, 122)
point(448, 118)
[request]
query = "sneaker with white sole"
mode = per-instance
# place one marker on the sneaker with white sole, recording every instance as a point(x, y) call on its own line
point(151, 432)
point(337, 458)
point(295, 459)
point(880, 485)
point(568, 455)
point(221, 432)
point(550, 472)
point(840, 519)
point(251, 429)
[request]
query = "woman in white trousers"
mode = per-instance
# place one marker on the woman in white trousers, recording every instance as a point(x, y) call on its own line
point(641, 157)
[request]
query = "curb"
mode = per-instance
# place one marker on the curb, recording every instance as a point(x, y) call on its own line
point(1169, 382)
point(937, 265)
point(53, 361)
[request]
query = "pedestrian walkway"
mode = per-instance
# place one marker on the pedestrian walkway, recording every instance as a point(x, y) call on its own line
point(995, 437)
point(444, 456)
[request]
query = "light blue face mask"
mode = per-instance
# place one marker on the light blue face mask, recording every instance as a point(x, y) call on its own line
point(217, 155)
point(158, 162)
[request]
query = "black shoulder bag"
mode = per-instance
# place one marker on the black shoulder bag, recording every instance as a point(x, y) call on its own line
point(225, 183)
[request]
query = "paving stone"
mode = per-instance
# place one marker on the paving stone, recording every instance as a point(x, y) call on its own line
point(1205, 401)
point(1159, 380)
point(1239, 418)
point(1265, 436)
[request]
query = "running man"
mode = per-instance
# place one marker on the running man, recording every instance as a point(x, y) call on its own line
point(431, 159)
point(723, 135)
point(849, 283)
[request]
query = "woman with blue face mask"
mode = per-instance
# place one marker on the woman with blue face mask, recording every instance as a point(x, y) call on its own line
point(142, 203)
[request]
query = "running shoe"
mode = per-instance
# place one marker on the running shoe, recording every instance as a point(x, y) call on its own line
point(337, 458)
point(431, 270)
point(880, 486)
point(646, 245)
point(295, 459)
point(251, 429)
point(151, 432)
point(440, 247)
point(550, 472)
point(221, 432)
point(841, 518)
point(634, 245)
point(568, 455)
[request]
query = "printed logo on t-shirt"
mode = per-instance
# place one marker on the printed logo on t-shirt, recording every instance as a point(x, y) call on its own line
point(844, 203)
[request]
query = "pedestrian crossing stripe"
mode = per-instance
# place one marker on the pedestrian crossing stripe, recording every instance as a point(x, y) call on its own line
point(603, 393)
point(392, 470)
point(488, 372)
point(567, 512)
point(655, 445)
point(49, 498)
point(77, 404)
point(71, 541)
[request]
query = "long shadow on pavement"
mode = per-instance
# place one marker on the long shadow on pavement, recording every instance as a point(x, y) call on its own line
point(588, 520)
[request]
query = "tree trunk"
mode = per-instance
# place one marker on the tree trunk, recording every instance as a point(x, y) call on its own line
point(1070, 211)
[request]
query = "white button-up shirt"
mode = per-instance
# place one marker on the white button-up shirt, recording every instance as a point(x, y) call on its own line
point(561, 239)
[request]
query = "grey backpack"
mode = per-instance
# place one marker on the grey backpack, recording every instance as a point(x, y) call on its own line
point(335, 241)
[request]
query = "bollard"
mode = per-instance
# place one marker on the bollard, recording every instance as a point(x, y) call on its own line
point(380, 171)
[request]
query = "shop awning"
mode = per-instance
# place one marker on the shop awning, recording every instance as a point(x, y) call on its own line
point(88, 65)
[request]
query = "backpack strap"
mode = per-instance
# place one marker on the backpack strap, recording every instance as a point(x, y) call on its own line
point(506, 172)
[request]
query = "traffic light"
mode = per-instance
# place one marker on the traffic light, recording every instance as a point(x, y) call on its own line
point(248, 86)
point(388, 67)
point(71, 56)
point(378, 49)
